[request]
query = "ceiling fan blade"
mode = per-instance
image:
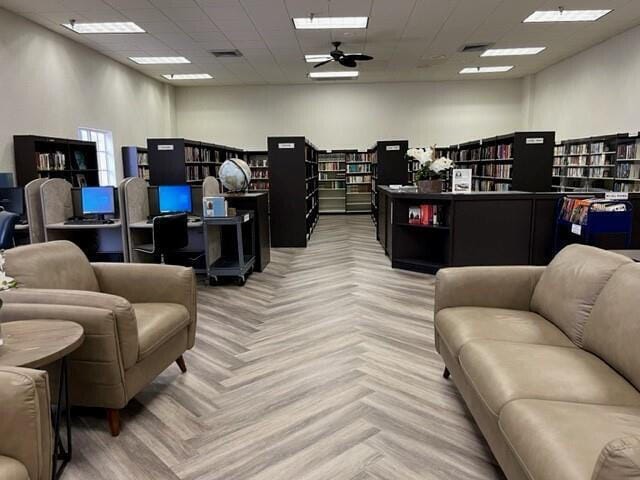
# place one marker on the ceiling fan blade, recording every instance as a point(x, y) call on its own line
point(347, 61)
point(323, 63)
point(360, 57)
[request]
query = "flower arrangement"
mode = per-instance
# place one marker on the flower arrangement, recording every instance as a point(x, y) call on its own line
point(430, 167)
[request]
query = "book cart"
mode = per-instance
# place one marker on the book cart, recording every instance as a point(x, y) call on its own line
point(587, 218)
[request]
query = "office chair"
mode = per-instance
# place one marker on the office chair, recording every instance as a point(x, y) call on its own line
point(170, 234)
point(8, 221)
point(210, 187)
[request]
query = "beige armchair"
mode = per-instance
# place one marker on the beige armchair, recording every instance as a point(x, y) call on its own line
point(137, 318)
point(26, 438)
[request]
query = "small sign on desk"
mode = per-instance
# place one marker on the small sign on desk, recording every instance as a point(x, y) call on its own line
point(461, 180)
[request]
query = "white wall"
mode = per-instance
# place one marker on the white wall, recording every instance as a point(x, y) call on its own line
point(350, 115)
point(50, 85)
point(596, 92)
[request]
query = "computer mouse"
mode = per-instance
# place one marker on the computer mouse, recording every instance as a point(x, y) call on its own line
point(108, 221)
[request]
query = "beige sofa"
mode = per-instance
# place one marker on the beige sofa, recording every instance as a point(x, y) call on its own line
point(547, 360)
point(26, 438)
point(138, 318)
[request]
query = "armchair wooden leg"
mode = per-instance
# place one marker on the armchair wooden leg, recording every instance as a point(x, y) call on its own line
point(181, 364)
point(446, 374)
point(113, 417)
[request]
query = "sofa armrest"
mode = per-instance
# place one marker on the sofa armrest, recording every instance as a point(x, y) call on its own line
point(25, 420)
point(109, 323)
point(619, 459)
point(150, 283)
point(498, 287)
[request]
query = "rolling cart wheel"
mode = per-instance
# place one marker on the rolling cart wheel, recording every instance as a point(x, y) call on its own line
point(241, 280)
point(213, 281)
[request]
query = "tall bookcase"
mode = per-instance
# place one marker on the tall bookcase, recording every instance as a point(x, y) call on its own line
point(178, 160)
point(389, 166)
point(294, 194)
point(135, 162)
point(49, 157)
point(359, 177)
point(258, 162)
point(521, 161)
point(332, 168)
point(627, 164)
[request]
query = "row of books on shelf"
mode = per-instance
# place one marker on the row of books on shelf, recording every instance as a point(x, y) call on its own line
point(427, 214)
point(143, 159)
point(582, 172)
point(259, 185)
point(51, 161)
point(199, 172)
point(198, 154)
point(143, 173)
point(489, 152)
point(576, 210)
point(258, 162)
point(499, 170)
point(358, 157)
point(331, 175)
point(628, 151)
point(354, 168)
point(490, 186)
point(332, 166)
point(627, 187)
point(333, 184)
point(628, 170)
point(331, 157)
point(359, 179)
point(260, 173)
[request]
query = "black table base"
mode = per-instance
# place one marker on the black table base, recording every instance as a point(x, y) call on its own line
point(61, 453)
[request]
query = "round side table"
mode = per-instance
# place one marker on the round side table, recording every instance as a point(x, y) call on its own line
point(35, 344)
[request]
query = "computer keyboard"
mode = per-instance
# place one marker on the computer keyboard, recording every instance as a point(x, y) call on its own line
point(189, 219)
point(87, 221)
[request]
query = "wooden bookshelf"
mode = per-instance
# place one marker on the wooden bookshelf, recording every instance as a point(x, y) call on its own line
point(49, 157)
point(178, 160)
point(332, 189)
point(135, 162)
point(294, 194)
point(389, 166)
point(258, 162)
point(627, 172)
point(520, 161)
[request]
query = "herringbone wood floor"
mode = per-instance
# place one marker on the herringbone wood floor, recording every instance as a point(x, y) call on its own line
point(321, 367)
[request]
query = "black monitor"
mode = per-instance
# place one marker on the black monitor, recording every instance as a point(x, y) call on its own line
point(174, 199)
point(98, 201)
point(12, 200)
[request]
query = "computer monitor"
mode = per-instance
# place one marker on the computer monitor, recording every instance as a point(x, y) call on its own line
point(98, 201)
point(174, 199)
point(12, 200)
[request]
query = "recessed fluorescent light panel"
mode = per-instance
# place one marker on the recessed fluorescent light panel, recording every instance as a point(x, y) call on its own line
point(499, 69)
point(306, 23)
point(344, 74)
point(104, 27)
point(188, 76)
point(508, 52)
point(561, 15)
point(159, 60)
point(322, 58)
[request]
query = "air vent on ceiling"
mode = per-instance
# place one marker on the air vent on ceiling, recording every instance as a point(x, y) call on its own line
point(475, 47)
point(226, 53)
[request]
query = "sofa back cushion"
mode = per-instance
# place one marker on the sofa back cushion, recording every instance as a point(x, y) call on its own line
point(613, 331)
point(59, 264)
point(570, 285)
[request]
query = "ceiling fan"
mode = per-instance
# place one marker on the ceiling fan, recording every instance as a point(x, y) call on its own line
point(343, 59)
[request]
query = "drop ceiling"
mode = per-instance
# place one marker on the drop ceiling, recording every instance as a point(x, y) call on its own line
point(411, 40)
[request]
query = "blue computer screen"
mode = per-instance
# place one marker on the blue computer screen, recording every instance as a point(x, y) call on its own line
point(174, 198)
point(98, 200)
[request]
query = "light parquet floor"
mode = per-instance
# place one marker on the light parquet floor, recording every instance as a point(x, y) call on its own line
point(322, 367)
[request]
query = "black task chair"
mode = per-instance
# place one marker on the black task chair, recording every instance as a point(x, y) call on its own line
point(8, 221)
point(170, 234)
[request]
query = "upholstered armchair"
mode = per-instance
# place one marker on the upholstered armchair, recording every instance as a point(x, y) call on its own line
point(138, 318)
point(26, 438)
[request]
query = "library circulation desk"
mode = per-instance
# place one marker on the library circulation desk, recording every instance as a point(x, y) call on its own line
point(478, 228)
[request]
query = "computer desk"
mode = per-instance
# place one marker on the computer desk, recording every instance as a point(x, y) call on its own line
point(108, 236)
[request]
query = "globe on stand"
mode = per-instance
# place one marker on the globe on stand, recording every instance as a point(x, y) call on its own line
point(235, 175)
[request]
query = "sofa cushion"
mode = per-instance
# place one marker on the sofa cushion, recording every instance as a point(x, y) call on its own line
point(60, 265)
point(558, 440)
point(501, 372)
point(157, 323)
point(570, 285)
point(11, 469)
point(619, 460)
point(613, 330)
point(458, 325)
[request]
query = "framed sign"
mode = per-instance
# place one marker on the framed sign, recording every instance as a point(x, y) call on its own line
point(461, 180)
